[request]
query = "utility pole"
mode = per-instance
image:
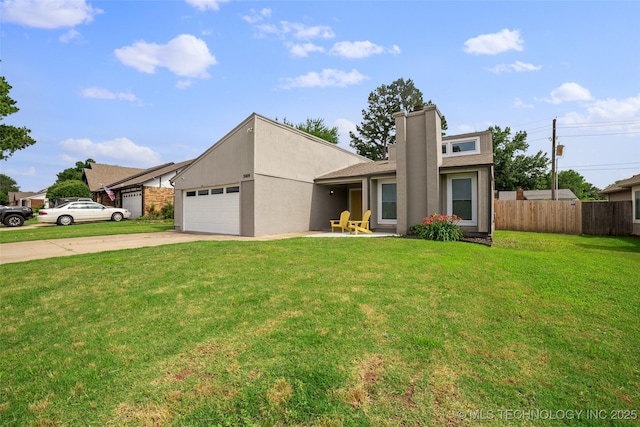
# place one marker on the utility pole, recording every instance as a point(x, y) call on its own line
point(553, 161)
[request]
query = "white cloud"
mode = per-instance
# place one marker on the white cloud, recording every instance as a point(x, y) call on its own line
point(185, 55)
point(607, 110)
point(361, 49)
point(70, 36)
point(48, 14)
point(569, 92)
point(206, 4)
point(517, 103)
point(183, 84)
point(491, 44)
point(254, 17)
point(326, 78)
point(122, 150)
point(303, 50)
point(101, 93)
point(517, 67)
point(344, 127)
point(296, 30)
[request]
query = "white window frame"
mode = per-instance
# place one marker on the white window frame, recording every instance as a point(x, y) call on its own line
point(449, 143)
point(381, 182)
point(474, 197)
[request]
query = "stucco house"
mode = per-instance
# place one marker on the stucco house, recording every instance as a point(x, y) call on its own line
point(266, 177)
point(138, 190)
point(627, 189)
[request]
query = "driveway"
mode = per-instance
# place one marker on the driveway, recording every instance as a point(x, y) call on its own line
point(39, 249)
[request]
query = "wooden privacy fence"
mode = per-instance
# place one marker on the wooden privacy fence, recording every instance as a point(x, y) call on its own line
point(607, 218)
point(597, 218)
point(544, 216)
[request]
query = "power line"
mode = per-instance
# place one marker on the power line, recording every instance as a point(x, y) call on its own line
point(580, 125)
point(600, 134)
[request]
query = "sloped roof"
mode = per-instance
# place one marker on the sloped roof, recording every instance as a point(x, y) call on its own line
point(101, 174)
point(563, 194)
point(623, 185)
point(149, 174)
point(361, 169)
point(468, 160)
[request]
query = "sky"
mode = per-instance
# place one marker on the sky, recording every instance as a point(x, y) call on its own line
point(146, 82)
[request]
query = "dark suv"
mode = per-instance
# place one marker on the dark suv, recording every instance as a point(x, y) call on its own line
point(15, 216)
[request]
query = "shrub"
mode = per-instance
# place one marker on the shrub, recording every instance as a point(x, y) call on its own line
point(167, 211)
point(69, 188)
point(438, 227)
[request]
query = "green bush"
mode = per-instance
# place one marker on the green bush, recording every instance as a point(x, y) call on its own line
point(70, 188)
point(167, 211)
point(438, 227)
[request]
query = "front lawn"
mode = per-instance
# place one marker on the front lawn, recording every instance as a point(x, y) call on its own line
point(326, 332)
point(103, 228)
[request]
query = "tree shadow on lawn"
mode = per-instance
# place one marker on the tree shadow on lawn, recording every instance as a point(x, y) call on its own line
point(632, 244)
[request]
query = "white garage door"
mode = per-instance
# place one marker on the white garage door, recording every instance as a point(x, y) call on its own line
point(133, 203)
point(213, 210)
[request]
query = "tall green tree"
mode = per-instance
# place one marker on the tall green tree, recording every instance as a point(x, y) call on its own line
point(70, 188)
point(512, 167)
point(316, 127)
point(7, 184)
point(577, 183)
point(74, 173)
point(378, 128)
point(12, 138)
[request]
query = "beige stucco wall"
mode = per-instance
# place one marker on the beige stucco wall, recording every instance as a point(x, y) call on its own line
point(275, 165)
point(229, 161)
point(418, 157)
point(620, 196)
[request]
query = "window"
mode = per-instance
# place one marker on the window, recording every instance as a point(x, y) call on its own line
point(387, 202)
point(191, 194)
point(636, 202)
point(203, 192)
point(235, 189)
point(461, 147)
point(217, 191)
point(462, 198)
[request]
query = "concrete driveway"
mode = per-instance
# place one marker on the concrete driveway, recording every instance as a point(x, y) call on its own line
point(39, 249)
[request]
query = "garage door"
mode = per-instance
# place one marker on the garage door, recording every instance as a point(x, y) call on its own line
point(213, 210)
point(133, 203)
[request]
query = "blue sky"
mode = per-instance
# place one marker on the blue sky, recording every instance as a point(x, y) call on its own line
point(140, 83)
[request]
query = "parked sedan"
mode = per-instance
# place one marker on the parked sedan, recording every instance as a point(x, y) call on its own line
point(81, 211)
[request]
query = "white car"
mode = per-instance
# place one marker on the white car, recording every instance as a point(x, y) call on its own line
point(81, 211)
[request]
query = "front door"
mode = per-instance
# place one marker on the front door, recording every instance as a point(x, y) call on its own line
point(355, 204)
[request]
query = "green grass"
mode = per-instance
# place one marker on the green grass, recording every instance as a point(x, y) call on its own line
point(324, 332)
point(103, 228)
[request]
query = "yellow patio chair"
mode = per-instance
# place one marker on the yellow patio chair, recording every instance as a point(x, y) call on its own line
point(342, 223)
point(362, 226)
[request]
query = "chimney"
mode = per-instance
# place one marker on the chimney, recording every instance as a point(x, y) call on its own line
point(520, 194)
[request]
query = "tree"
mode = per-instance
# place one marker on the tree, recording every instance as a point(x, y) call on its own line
point(575, 182)
point(514, 169)
point(7, 184)
point(74, 173)
point(316, 127)
point(70, 188)
point(12, 138)
point(378, 128)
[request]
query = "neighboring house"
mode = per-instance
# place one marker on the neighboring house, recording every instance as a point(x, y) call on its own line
point(138, 190)
point(561, 194)
point(265, 178)
point(27, 198)
point(627, 189)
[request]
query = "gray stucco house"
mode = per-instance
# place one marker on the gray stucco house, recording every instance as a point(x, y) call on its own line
point(266, 177)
